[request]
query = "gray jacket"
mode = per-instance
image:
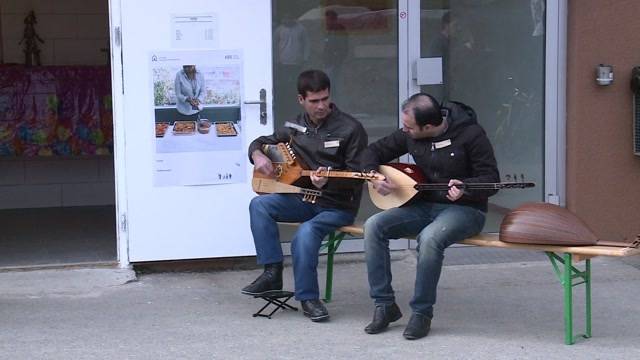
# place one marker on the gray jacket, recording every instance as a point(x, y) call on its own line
point(188, 89)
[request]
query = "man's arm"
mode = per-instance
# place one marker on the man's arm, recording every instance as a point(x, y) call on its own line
point(280, 135)
point(484, 168)
point(380, 152)
point(384, 150)
point(262, 163)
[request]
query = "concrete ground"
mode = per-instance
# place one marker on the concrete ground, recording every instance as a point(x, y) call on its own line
point(495, 311)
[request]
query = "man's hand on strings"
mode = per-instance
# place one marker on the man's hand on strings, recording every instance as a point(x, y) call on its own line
point(318, 177)
point(383, 187)
point(262, 163)
point(454, 192)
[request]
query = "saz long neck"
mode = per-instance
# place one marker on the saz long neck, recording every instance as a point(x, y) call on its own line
point(475, 186)
point(343, 174)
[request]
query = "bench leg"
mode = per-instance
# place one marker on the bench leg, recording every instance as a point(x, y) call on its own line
point(566, 276)
point(587, 292)
point(568, 300)
point(333, 242)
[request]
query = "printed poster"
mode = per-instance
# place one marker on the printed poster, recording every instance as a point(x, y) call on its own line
point(198, 117)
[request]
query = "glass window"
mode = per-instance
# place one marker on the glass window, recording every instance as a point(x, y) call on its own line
point(356, 43)
point(493, 59)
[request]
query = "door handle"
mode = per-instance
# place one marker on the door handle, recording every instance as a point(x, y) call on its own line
point(263, 106)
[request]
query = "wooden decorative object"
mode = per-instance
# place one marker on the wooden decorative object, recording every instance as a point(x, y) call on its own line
point(30, 39)
point(545, 224)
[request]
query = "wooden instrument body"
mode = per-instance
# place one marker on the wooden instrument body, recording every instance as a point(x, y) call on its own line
point(405, 177)
point(288, 169)
point(284, 173)
point(270, 186)
point(545, 224)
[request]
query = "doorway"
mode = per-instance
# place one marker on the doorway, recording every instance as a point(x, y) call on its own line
point(57, 196)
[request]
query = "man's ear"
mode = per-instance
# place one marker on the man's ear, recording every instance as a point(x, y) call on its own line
point(300, 99)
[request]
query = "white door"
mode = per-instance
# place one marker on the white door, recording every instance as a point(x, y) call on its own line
point(200, 209)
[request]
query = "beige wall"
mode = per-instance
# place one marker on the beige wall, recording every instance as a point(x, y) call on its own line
point(56, 181)
point(603, 175)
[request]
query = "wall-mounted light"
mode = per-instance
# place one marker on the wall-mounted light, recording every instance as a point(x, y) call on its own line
point(604, 74)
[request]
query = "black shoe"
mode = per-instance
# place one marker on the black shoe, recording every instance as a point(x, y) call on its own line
point(315, 310)
point(418, 327)
point(382, 316)
point(269, 282)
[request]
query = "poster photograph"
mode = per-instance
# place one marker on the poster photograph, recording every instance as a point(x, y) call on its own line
point(197, 117)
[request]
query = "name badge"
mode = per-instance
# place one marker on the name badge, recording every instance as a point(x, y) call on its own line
point(300, 128)
point(442, 144)
point(331, 144)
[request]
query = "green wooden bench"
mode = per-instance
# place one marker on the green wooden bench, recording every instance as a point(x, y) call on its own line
point(564, 260)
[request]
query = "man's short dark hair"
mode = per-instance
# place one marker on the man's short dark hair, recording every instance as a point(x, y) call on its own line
point(424, 108)
point(312, 81)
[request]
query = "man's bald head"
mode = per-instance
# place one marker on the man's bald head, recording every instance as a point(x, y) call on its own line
point(424, 108)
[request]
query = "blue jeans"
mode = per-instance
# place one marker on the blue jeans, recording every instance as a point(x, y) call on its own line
point(437, 226)
point(317, 222)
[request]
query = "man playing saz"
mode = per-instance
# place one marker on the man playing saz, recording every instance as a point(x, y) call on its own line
point(322, 137)
point(449, 146)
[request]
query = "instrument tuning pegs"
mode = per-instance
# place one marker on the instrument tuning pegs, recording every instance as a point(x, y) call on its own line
point(309, 198)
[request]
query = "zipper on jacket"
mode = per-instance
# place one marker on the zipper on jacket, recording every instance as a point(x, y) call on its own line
point(433, 161)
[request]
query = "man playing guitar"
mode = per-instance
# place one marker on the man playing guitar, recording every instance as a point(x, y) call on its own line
point(322, 137)
point(452, 149)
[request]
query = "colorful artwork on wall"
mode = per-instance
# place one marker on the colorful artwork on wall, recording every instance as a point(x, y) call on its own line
point(55, 111)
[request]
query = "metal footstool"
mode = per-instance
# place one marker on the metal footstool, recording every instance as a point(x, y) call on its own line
point(276, 298)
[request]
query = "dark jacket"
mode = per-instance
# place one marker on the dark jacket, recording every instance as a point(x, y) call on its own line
point(469, 158)
point(336, 143)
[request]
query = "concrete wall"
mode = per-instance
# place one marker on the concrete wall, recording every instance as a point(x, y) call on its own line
point(75, 31)
point(603, 175)
point(56, 182)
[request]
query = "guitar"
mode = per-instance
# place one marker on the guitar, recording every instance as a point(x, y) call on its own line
point(269, 186)
point(410, 180)
point(288, 169)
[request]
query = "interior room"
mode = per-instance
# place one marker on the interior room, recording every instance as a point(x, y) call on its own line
point(57, 192)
